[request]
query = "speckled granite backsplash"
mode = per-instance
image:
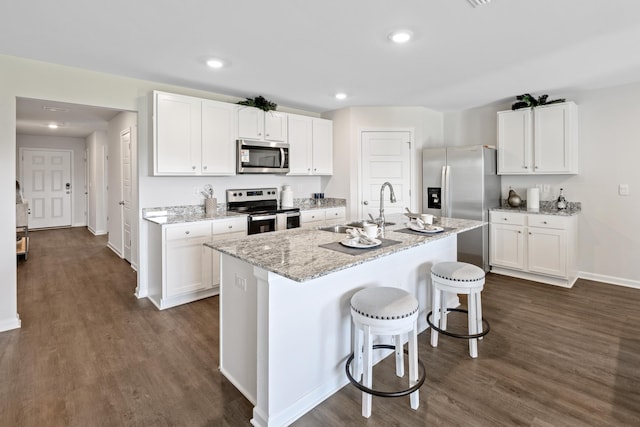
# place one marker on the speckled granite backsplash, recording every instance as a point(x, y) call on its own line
point(328, 202)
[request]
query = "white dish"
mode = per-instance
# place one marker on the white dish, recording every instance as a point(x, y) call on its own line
point(431, 229)
point(353, 243)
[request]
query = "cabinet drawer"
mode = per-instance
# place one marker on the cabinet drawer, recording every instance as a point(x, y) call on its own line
point(507, 218)
point(548, 221)
point(335, 213)
point(312, 215)
point(188, 231)
point(230, 225)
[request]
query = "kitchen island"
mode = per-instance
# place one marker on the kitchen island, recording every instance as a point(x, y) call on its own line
point(285, 326)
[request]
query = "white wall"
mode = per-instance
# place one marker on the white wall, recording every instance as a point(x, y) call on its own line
point(609, 147)
point(78, 180)
point(97, 182)
point(426, 126)
point(39, 80)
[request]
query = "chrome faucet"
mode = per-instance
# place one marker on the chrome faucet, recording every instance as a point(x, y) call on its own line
point(392, 199)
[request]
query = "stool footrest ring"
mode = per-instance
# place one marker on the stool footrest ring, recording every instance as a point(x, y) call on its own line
point(381, 393)
point(484, 332)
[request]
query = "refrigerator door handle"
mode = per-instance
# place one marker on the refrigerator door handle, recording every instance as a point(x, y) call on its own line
point(447, 190)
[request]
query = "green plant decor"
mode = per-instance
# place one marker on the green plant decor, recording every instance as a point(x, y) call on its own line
point(259, 102)
point(528, 101)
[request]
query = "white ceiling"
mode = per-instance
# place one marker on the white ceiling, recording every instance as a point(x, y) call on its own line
point(77, 121)
point(299, 53)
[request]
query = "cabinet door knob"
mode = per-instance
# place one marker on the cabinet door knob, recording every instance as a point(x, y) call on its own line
point(193, 167)
point(187, 232)
point(506, 219)
point(259, 133)
point(204, 167)
point(231, 226)
point(529, 233)
point(544, 222)
point(519, 232)
point(267, 134)
point(526, 167)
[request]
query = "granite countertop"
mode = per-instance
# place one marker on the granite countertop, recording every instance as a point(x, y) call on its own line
point(182, 214)
point(546, 208)
point(296, 254)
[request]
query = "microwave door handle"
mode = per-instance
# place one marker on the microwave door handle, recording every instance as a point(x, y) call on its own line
point(282, 158)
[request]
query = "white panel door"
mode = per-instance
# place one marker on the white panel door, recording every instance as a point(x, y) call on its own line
point(46, 177)
point(125, 202)
point(386, 157)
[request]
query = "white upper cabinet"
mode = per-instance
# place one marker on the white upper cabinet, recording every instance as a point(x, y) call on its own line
point(322, 147)
point(311, 146)
point(218, 138)
point(543, 140)
point(177, 134)
point(193, 136)
point(253, 123)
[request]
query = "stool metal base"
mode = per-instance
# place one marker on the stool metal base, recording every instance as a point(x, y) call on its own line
point(380, 393)
point(485, 324)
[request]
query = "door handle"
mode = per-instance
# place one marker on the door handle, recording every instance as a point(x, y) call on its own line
point(121, 203)
point(365, 203)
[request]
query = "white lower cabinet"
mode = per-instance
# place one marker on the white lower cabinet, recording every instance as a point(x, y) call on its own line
point(320, 217)
point(182, 269)
point(534, 246)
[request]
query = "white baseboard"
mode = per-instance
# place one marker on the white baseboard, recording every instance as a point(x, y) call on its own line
point(612, 280)
point(96, 232)
point(8, 324)
point(114, 249)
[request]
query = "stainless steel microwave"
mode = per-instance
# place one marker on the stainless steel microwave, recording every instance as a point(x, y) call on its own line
point(262, 157)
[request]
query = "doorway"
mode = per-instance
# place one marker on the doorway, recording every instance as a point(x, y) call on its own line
point(46, 184)
point(385, 157)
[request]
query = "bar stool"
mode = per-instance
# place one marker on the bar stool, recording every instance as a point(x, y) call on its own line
point(384, 311)
point(459, 278)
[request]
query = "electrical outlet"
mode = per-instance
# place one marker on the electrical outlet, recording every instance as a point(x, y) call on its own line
point(546, 188)
point(196, 191)
point(241, 283)
point(623, 189)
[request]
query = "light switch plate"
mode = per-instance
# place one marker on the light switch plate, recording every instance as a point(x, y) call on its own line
point(623, 189)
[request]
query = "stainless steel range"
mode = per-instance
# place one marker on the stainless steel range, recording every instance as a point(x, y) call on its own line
point(262, 206)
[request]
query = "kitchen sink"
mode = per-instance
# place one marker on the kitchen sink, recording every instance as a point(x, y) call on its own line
point(358, 224)
point(336, 228)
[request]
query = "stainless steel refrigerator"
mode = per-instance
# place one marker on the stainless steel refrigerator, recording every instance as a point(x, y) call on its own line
point(461, 182)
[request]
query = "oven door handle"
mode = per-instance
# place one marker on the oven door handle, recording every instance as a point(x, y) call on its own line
point(292, 214)
point(262, 217)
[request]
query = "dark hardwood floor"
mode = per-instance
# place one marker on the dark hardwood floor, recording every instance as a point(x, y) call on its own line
point(90, 354)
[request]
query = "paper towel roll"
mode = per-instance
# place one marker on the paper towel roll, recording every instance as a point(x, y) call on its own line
point(533, 198)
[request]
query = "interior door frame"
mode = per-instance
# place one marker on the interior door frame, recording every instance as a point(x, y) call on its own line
point(124, 132)
point(412, 179)
point(72, 199)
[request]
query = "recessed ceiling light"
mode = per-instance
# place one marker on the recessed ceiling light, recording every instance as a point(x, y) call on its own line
point(400, 36)
point(215, 63)
point(341, 96)
point(55, 109)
